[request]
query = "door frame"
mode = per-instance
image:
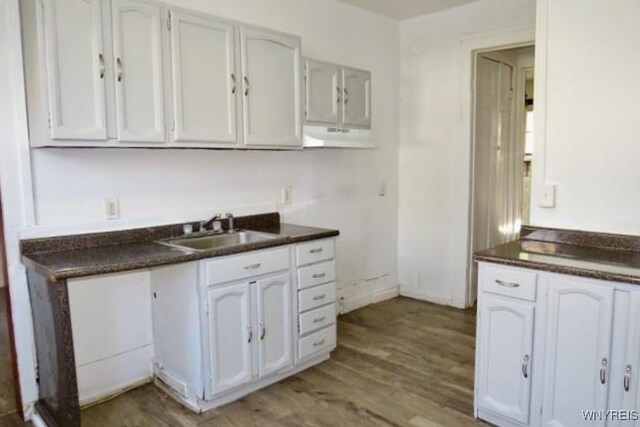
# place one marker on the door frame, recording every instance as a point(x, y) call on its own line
point(508, 38)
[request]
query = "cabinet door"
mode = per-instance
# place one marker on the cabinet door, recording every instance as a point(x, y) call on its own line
point(356, 87)
point(504, 361)
point(274, 324)
point(204, 79)
point(323, 92)
point(272, 90)
point(231, 336)
point(578, 346)
point(137, 43)
point(75, 69)
point(631, 379)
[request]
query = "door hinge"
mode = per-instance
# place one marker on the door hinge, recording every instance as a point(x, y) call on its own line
point(306, 114)
point(169, 21)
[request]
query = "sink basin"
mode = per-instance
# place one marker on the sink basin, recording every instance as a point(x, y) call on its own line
point(219, 240)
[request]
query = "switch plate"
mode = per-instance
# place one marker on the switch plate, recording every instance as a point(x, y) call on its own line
point(547, 196)
point(112, 208)
point(287, 195)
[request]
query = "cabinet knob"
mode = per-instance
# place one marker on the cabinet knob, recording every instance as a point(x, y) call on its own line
point(120, 69)
point(346, 96)
point(250, 329)
point(603, 370)
point(525, 366)
point(627, 378)
point(234, 84)
point(246, 86)
point(102, 66)
point(318, 275)
point(264, 331)
point(339, 94)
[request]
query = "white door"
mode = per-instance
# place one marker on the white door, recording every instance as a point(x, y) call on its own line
point(274, 324)
point(231, 336)
point(631, 378)
point(76, 67)
point(271, 88)
point(204, 79)
point(356, 97)
point(504, 361)
point(578, 346)
point(137, 44)
point(323, 101)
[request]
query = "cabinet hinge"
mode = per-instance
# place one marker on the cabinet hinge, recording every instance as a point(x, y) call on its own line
point(306, 114)
point(49, 120)
point(169, 21)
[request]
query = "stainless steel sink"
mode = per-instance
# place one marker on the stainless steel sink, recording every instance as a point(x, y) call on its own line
point(206, 243)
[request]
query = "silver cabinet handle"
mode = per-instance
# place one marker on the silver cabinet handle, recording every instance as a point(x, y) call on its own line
point(315, 251)
point(320, 297)
point(339, 94)
point(264, 331)
point(246, 86)
point(318, 275)
point(525, 366)
point(346, 96)
point(603, 370)
point(508, 284)
point(102, 66)
point(120, 69)
point(320, 319)
point(250, 329)
point(252, 266)
point(627, 378)
point(319, 343)
point(235, 85)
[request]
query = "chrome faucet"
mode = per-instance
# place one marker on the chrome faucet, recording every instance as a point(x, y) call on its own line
point(230, 228)
point(213, 223)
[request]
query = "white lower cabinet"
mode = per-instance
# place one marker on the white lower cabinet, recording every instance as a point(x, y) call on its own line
point(573, 364)
point(221, 332)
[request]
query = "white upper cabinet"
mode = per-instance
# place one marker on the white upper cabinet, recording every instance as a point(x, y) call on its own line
point(204, 80)
point(271, 88)
point(578, 347)
point(505, 352)
point(138, 49)
point(274, 323)
point(323, 93)
point(75, 69)
point(356, 88)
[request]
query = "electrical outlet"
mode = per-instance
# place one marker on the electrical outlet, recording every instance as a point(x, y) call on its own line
point(287, 195)
point(547, 196)
point(112, 208)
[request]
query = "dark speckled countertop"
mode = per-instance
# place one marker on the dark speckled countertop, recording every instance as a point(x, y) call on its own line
point(600, 256)
point(66, 257)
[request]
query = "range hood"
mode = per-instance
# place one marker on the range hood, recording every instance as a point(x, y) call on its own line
point(336, 137)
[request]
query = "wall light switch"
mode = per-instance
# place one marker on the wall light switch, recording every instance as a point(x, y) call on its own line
point(287, 195)
point(547, 196)
point(112, 208)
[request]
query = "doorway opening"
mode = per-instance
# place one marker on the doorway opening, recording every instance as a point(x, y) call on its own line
point(10, 401)
point(502, 149)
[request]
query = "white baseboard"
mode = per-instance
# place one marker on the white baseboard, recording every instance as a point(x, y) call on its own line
point(415, 294)
point(382, 295)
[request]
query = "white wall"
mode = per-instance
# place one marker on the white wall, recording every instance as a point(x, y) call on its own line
point(331, 188)
point(592, 115)
point(434, 160)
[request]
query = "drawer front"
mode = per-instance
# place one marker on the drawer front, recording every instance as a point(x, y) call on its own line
point(317, 319)
point(316, 297)
point(247, 265)
point(323, 340)
point(316, 251)
point(317, 274)
point(510, 282)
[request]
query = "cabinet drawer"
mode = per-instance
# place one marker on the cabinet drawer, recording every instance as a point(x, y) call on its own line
point(319, 250)
point(247, 265)
point(510, 282)
point(316, 274)
point(324, 339)
point(317, 319)
point(316, 297)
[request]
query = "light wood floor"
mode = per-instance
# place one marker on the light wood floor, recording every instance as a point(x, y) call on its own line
point(398, 363)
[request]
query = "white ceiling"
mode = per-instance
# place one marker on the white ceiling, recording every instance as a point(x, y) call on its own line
point(404, 9)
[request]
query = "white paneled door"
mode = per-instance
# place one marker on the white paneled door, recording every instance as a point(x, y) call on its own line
point(138, 47)
point(505, 352)
point(271, 88)
point(205, 83)
point(356, 97)
point(76, 72)
point(323, 97)
point(274, 324)
point(231, 336)
point(578, 346)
